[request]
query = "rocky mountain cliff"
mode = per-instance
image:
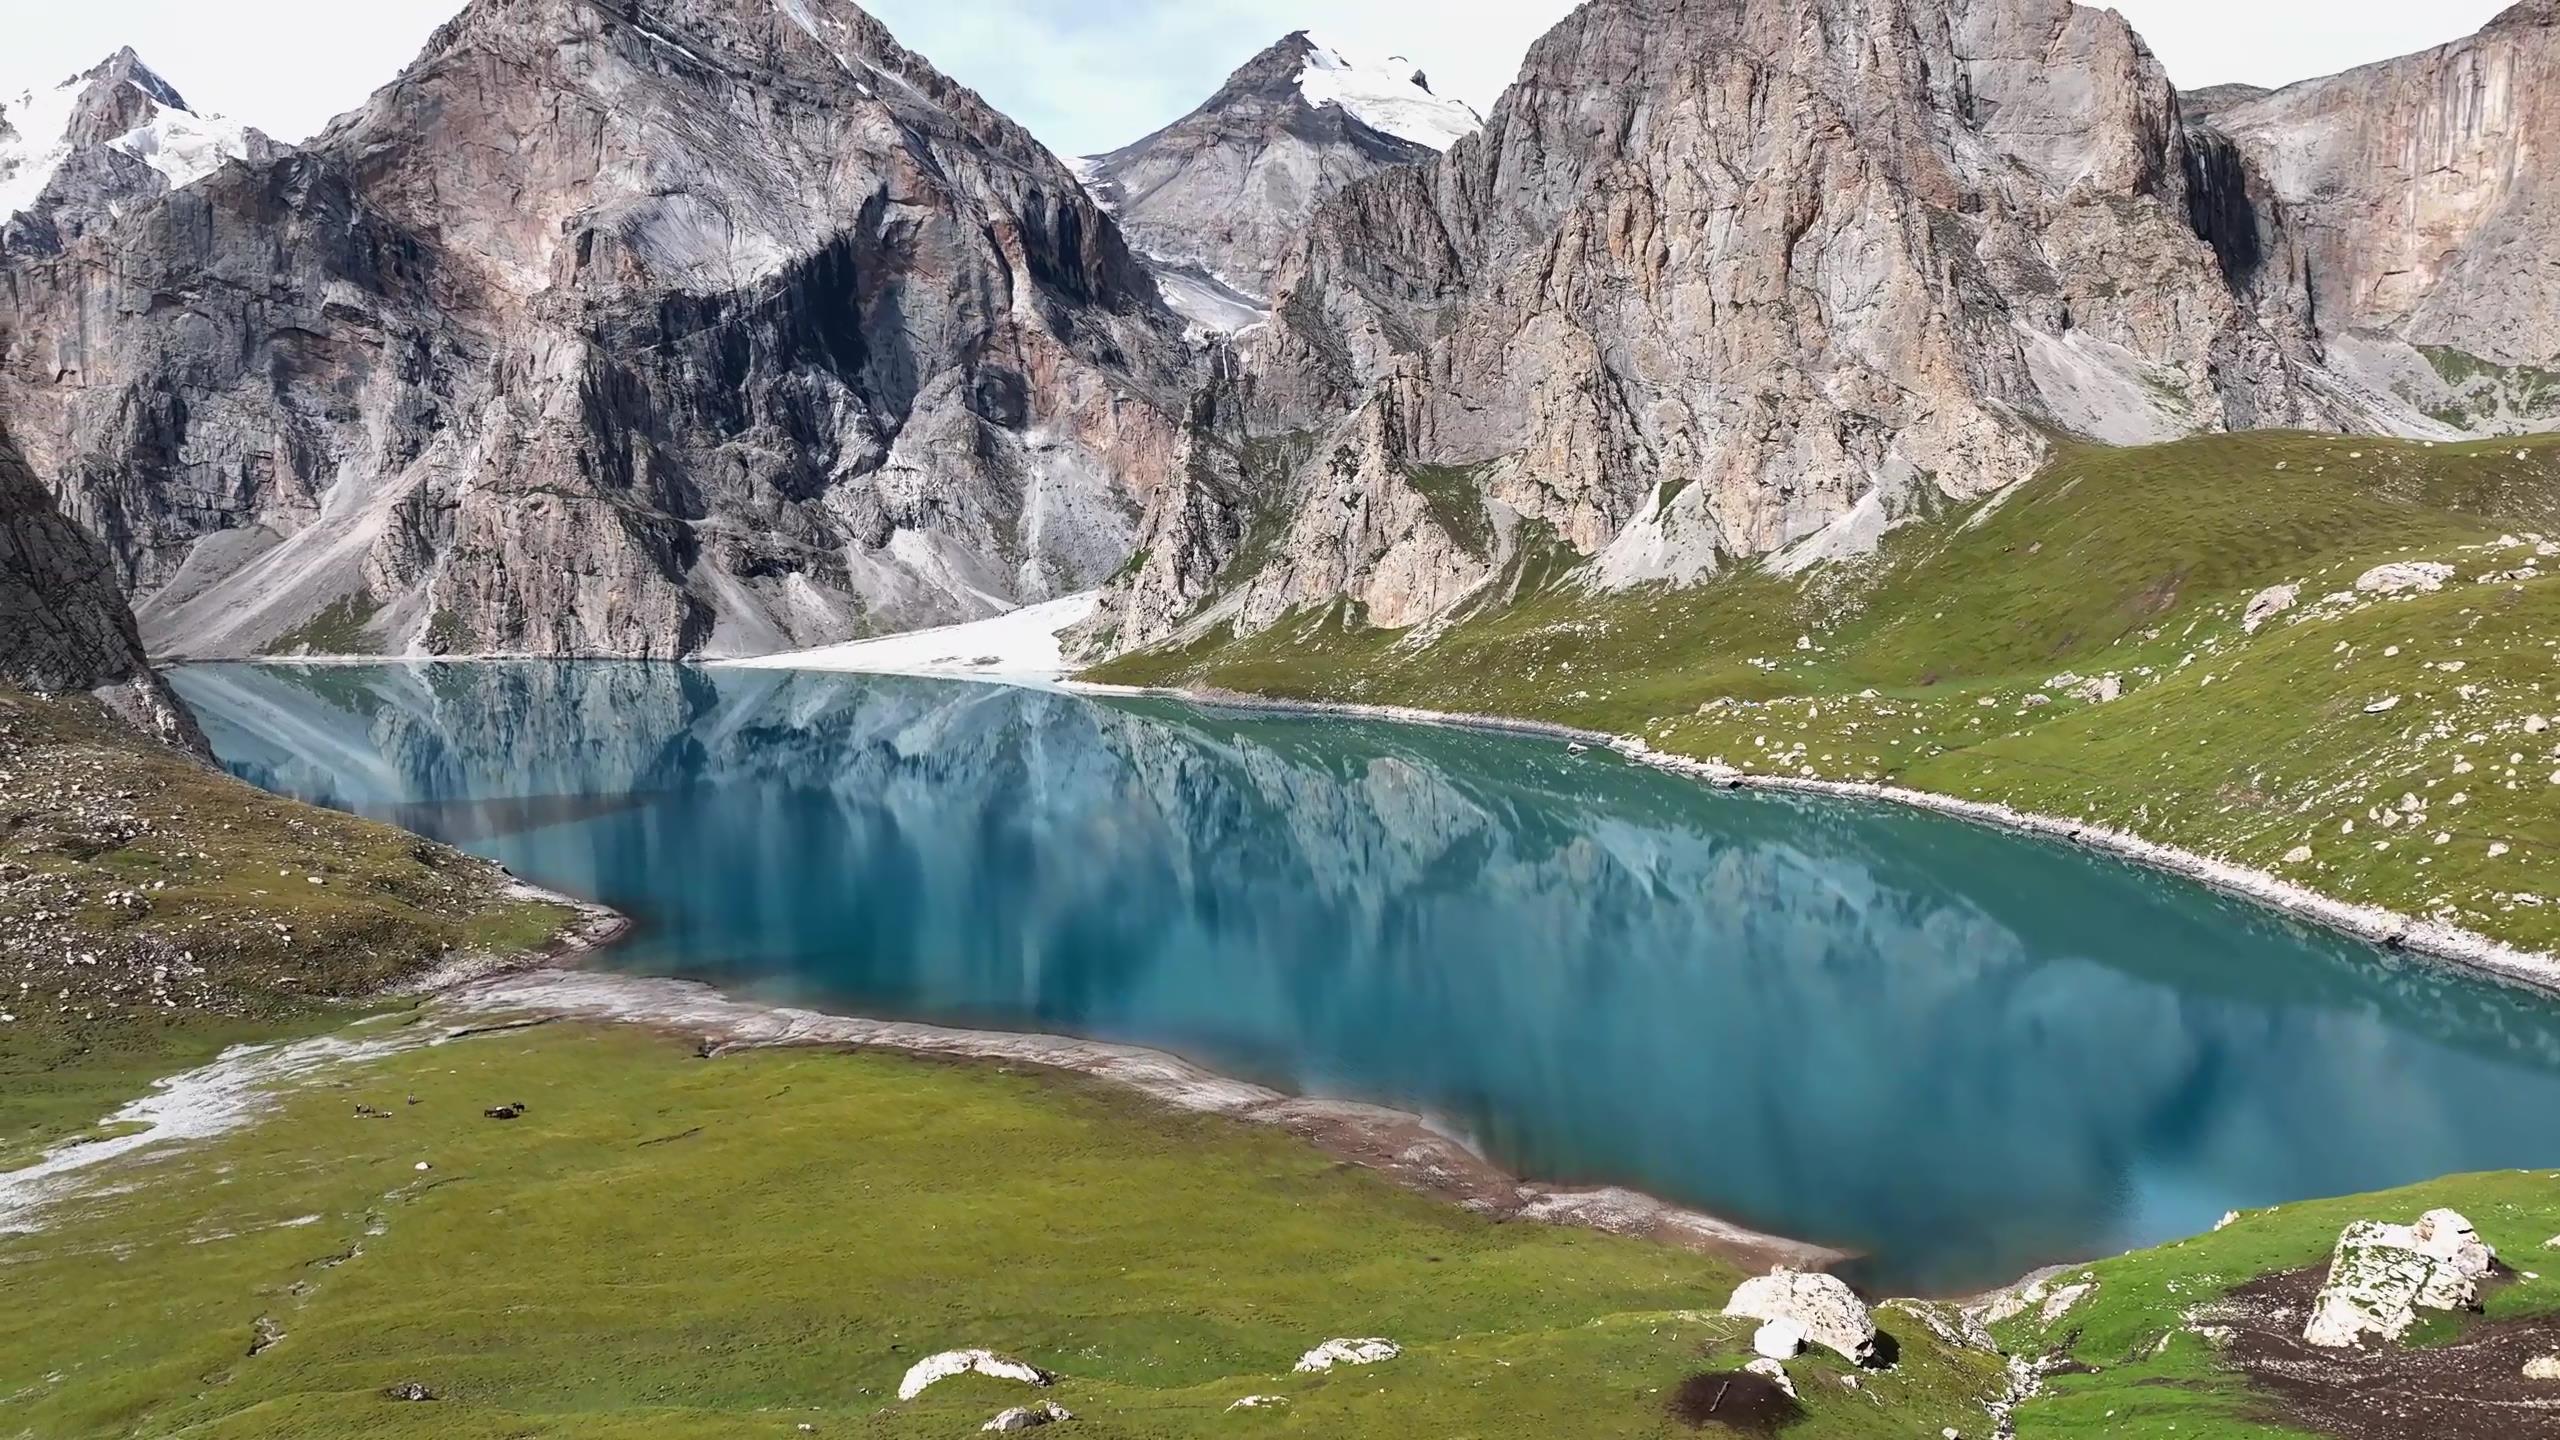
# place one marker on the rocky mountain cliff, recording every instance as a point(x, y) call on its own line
point(2423, 208)
point(1724, 280)
point(75, 157)
point(654, 328)
point(1753, 281)
point(64, 626)
point(1215, 199)
point(686, 327)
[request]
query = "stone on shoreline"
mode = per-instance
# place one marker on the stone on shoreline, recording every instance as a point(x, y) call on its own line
point(1821, 1307)
point(2383, 1274)
point(936, 1368)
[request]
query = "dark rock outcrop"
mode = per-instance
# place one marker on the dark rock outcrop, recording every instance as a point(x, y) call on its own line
point(64, 627)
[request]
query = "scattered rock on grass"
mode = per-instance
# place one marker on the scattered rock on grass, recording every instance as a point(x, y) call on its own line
point(409, 1390)
point(1347, 1352)
point(936, 1368)
point(2269, 604)
point(1259, 1402)
point(2404, 578)
point(1773, 1372)
point(1823, 1307)
point(2383, 1274)
point(1029, 1417)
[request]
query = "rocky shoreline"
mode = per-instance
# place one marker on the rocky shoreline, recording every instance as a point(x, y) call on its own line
point(2463, 949)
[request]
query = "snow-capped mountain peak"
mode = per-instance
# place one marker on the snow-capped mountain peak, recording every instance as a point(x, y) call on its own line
point(1392, 97)
point(122, 105)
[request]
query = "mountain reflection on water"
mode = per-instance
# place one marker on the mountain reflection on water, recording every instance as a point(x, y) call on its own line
point(1961, 1052)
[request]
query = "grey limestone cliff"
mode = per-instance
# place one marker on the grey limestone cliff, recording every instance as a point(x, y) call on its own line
point(657, 328)
point(1725, 280)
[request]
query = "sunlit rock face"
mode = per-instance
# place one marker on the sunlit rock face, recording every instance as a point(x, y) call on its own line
point(1961, 1052)
point(1726, 279)
point(693, 326)
point(2421, 188)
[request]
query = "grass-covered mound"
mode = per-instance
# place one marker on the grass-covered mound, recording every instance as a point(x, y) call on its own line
point(668, 1246)
point(1933, 664)
point(153, 911)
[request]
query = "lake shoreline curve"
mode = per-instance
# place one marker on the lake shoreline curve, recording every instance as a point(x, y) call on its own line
point(1401, 1145)
point(2461, 949)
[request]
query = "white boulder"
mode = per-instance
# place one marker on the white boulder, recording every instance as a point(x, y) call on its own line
point(1825, 1310)
point(2542, 1367)
point(1779, 1340)
point(1029, 1417)
point(2404, 577)
point(1259, 1402)
point(2383, 1274)
point(2270, 603)
point(1771, 1370)
point(1347, 1352)
point(936, 1368)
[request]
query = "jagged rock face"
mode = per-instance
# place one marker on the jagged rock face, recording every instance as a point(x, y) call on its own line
point(1215, 199)
point(679, 327)
point(1726, 279)
point(102, 143)
point(2421, 191)
point(2201, 105)
point(64, 626)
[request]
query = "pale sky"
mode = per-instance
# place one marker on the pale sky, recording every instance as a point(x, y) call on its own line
point(1085, 75)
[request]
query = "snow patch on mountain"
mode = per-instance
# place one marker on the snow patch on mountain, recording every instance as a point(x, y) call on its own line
point(1391, 97)
point(183, 146)
point(34, 144)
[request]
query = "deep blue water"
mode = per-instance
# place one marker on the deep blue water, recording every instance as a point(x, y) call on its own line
point(1959, 1052)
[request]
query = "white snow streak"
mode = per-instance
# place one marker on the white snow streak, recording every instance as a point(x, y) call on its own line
point(1021, 645)
point(1388, 97)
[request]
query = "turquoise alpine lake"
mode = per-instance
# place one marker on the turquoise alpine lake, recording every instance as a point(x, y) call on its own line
point(1956, 1052)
